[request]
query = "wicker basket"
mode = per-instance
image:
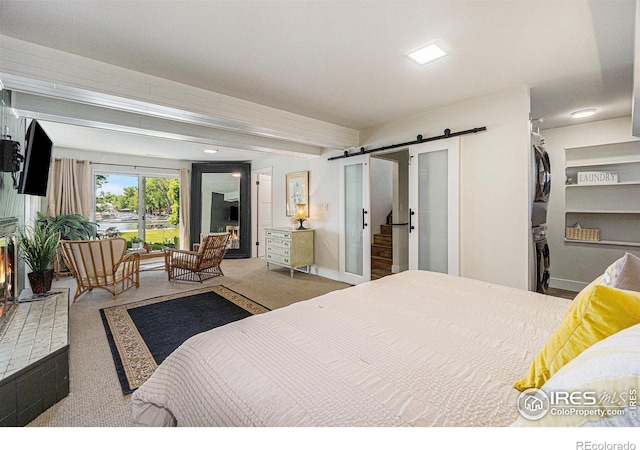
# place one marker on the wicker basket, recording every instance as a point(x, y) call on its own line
point(582, 234)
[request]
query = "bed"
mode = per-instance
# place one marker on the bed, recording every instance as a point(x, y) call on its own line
point(412, 349)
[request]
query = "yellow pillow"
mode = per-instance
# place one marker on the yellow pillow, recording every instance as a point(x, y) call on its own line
point(611, 366)
point(597, 312)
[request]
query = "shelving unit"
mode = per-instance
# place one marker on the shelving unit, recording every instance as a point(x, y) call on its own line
point(614, 208)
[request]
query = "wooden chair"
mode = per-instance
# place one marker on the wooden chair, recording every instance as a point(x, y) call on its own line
point(200, 264)
point(103, 264)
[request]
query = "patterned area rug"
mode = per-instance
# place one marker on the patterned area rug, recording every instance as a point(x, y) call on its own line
point(142, 334)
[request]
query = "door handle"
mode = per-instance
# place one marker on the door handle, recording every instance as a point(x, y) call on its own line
point(364, 224)
point(411, 213)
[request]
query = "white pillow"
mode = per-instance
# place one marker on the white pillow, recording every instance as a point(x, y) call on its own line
point(624, 273)
point(610, 371)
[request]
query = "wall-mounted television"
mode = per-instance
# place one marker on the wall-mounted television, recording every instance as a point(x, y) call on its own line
point(37, 158)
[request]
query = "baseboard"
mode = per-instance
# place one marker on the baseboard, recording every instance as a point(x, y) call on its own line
point(397, 269)
point(326, 273)
point(569, 285)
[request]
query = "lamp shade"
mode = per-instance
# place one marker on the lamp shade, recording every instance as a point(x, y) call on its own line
point(301, 211)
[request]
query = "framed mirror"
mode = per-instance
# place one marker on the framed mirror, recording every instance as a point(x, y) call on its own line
point(220, 202)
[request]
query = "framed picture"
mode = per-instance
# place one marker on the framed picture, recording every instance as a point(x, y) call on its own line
point(297, 191)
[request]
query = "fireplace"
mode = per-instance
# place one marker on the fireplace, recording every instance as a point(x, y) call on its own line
point(34, 341)
point(8, 267)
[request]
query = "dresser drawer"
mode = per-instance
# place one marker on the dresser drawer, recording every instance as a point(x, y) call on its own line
point(281, 234)
point(277, 258)
point(275, 250)
point(273, 242)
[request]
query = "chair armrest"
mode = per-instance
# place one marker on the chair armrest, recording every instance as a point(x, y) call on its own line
point(130, 263)
point(134, 256)
point(180, 258)
point(170, 251)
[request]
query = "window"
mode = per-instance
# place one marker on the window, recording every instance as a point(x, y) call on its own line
point(151, 218)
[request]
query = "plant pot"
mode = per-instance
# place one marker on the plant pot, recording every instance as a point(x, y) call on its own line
point(41, 281)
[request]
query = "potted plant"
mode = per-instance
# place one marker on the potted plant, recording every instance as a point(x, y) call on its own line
point(72, 227)
point(168, 242)
point(136, 243)
point(39, 245)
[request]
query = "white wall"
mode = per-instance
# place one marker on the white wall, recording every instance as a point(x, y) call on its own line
point(494, 179)
point(323, 204)
point(573, 266)
point(494, 187)
point(494, 174)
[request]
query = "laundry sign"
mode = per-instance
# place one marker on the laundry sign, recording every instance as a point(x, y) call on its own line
point(597, 177)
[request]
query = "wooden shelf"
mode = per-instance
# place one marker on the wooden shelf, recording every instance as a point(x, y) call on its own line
point(574, 211)
point(618, 243)
point(624, 183)
point(574, 165)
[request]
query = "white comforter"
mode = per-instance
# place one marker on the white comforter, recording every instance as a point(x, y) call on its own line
point(412, 349)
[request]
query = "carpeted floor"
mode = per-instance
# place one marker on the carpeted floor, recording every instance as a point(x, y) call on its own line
point(96, 398)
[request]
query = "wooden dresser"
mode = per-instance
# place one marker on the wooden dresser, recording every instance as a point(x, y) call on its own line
point(289, 248)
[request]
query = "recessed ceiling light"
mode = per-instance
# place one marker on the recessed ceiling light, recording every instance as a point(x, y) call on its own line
point(210, 150)
point(236, 174)
point(426, 54)
point(583, 113)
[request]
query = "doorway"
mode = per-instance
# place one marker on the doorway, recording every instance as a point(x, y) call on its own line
point(261, 208)
point(424, 217)
point(389, 213)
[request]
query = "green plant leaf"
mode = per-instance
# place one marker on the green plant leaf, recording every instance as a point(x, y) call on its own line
point(38, 245)
point(71, 226)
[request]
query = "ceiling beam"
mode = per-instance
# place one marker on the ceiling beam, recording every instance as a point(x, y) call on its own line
point(88, 115)
point(36, 69)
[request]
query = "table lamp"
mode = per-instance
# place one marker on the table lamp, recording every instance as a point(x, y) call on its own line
point(301, 215)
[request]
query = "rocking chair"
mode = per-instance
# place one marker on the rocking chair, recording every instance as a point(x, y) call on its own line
point(200, 264)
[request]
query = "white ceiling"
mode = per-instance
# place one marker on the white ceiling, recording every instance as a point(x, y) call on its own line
point(343, 61)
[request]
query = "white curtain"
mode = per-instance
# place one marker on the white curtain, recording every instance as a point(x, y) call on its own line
point(185, 208)
point(71, 188)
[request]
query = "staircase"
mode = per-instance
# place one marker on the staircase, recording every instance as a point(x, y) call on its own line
point(382, 253)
